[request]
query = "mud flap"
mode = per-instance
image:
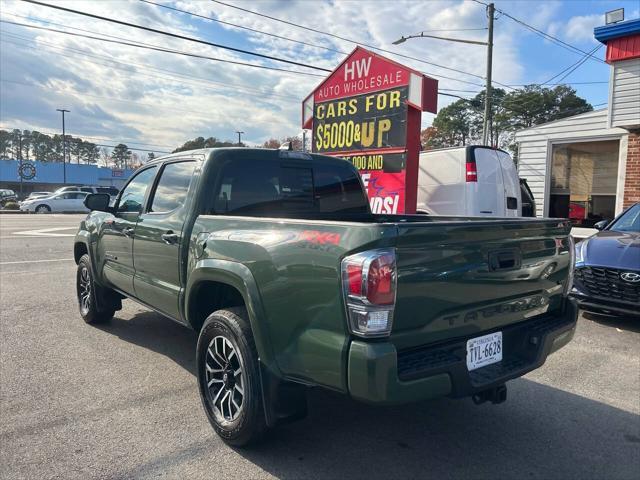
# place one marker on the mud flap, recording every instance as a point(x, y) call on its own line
point(106, 299)
point(284, 402)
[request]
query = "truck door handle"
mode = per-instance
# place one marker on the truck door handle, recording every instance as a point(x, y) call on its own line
point(128, 231)
point(169, 238)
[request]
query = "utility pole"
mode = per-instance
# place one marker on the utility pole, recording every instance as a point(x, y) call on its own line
point(239, 137)
point(489, 45)
point(487, 93)
point(64, 146)
point(20, 158)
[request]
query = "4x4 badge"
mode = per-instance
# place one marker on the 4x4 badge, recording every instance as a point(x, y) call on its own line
point(630, 277)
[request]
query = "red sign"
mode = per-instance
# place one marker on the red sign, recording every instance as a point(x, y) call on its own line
point(368, 111)
point(362, 72)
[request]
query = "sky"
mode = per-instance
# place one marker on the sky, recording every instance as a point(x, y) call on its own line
point(157, 100)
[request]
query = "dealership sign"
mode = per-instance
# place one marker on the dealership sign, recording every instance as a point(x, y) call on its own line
point(368, 112)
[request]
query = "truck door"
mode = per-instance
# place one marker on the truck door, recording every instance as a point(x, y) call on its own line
point(116, 237)
point(511, 183)
point(158, 245)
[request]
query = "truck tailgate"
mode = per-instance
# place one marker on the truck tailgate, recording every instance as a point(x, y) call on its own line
point(462, 278)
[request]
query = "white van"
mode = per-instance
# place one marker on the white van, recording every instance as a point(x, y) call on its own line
point(469, 181)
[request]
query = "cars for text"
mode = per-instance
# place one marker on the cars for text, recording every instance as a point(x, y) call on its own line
point(276, 260)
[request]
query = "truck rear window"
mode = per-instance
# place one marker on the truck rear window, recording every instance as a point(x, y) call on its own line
point(258, 188)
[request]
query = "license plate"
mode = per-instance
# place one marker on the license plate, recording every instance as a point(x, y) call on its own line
point(483, 351)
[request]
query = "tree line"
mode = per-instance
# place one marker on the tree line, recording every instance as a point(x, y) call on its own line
point(460, 123)
point(213, 142)
point(33, 145)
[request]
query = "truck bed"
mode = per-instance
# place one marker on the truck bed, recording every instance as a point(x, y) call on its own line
point(445, 288)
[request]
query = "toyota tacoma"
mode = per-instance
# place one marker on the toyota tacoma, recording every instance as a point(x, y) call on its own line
point(276, 260)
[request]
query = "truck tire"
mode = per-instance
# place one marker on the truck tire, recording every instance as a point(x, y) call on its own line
point(86, 289)
point(229, 377)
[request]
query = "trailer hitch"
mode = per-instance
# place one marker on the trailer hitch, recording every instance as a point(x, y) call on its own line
point(494, 395)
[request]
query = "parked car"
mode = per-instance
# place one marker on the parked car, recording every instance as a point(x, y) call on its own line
point(275, 258)
point(528, 200)
point(34, 195)
point(61, 202)
point(472, 180)
point(7, 196)
point(69, 188)
point(112, 191)
point(607, 277)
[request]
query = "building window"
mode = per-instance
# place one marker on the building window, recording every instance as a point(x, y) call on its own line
point(584, 178)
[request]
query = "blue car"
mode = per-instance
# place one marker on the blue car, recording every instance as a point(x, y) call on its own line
point(607, 274)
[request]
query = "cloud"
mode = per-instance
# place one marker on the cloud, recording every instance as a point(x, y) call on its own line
point(119, 92)
point(577, 29)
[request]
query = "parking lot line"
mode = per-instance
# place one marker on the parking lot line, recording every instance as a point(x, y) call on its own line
point(37, 261)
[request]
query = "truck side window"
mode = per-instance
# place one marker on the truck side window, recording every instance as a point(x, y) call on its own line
point(133, 194)
point(171, 190)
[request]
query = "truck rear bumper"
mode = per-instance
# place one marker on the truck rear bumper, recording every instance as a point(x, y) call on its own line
point(378, 374)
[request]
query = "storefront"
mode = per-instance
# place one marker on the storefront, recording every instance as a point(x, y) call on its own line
point(587, 167)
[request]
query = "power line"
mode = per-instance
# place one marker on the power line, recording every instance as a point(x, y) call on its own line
point(142, 65)
point(454, 30)
point(565, 83)
point(161, 49)
point(175, 35)
point(155, 47)
point(146, 67)
point(242, 27)
point(545, 35)
point(571, 68)
point(356, 42)
point(441, 92)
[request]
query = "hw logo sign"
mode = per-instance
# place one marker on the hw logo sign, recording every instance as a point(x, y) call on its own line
point(357, 69)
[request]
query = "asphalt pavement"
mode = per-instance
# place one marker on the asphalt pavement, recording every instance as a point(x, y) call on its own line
point(121, 400)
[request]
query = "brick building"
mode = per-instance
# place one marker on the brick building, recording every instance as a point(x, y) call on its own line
point(587, 167)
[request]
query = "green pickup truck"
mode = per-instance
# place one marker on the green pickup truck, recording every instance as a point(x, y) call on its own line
point(275, 258)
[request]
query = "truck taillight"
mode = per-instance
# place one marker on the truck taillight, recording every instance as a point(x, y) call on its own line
point(369, 284)
point(472, 172)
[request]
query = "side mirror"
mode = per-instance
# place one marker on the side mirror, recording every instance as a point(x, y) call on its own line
point(97, 201)
point(601, 224)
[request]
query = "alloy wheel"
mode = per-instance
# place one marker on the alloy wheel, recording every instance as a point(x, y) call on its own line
point(84, 290)
point(225, 379)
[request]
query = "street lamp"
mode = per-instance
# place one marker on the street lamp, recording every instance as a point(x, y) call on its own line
point(489, 45)
point(423, 35)
point(239, 137)
point(64, 146)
